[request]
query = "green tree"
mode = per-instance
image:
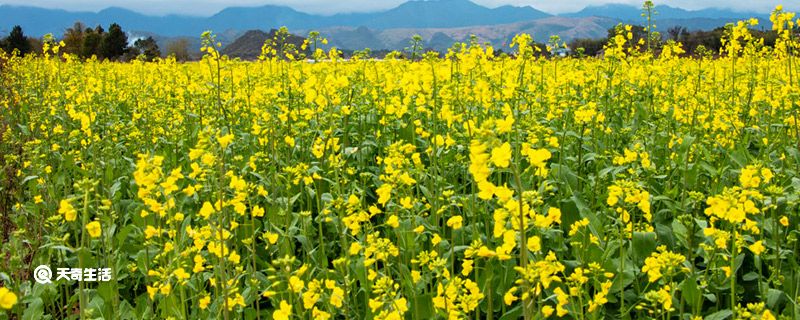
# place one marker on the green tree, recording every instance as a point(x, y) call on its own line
point(17, 40)
point(591, 47)
point(92, 42)
point(73, 38)
point(179, 48)
point(146, 47)
point(114, 42)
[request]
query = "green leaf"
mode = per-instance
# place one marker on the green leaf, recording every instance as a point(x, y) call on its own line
point(115, 188)
point(565, 175)
point(689, 290)
point(97, 304)
point(361, 273)
point(422, 306)
point(294, 199)
point(665, 234)
point(680, 232)
point(28, 178)
point(738, 262)
point(250, 313)
point(774, 297)
point(426, 192)
point(59, 247)
point(621, 282)
point(720, 315)
point(739, 157)
point(750, 276)
point(126, 311)
point(595, 224)
point(24, 129)
point(515, 313)
point(644, 243)
point(711, 170)
point(688, 141)
point(34, 310)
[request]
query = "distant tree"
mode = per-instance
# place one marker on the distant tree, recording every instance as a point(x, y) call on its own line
point(590, 46)
point(92, 42)
point(362, 54)
point(769, 36)
point(677, 33)
point(17, 40)
point(36, 45)
point(148, 48)
point(394, 55)
point(179, 49)
point(638, 32)
point(709, 40)
point(73, 38)
point(114, 42)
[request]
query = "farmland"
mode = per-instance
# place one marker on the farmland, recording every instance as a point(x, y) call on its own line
point(470, 186)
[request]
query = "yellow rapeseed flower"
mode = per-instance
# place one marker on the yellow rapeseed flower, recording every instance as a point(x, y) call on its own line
point(225, 141)
point(757, 247)
point(7, 298)
point(284, 312)
point(204, 302)
point(69, 212)
point(455, 222)
point(501, 155)
point(94, 229)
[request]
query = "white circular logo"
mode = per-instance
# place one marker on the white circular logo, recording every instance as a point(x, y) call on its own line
point(42, 274)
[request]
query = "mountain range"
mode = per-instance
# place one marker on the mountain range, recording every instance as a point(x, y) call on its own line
point(634, 14)
point(412, 14)
point(440, 22)
point(442, 38)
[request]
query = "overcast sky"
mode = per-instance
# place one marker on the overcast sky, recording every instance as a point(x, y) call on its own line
point(208, 7)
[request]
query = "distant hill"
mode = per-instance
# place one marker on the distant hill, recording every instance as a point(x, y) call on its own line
point(412, 14)
point(439, 14)
point(38, 21)
point(442, 38)
point(704, 19)
point(248, 46)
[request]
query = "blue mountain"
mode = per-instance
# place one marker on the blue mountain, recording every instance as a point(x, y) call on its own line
point(412, 14)
point(633, 14)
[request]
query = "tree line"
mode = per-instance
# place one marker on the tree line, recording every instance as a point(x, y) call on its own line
point(694, 42)
point(87, 42)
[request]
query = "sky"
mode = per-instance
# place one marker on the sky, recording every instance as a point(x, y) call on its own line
point(209, 7)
